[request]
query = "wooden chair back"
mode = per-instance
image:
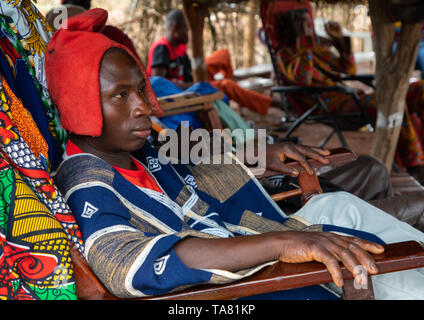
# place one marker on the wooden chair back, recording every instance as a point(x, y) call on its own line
point(192, 102)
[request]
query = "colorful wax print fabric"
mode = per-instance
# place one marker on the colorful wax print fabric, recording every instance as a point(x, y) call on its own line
point(24, 34)
point(35, 262)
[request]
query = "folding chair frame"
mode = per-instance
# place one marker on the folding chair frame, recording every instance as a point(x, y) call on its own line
point(325, 115)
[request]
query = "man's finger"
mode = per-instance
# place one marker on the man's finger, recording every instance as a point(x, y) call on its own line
point(347, 256)
point(315, 153)
point(323, 152)
point(361, 254)
point(285, 169)
point(366, 245)
point(332, 264)
point(289, 151)
point(295, 154)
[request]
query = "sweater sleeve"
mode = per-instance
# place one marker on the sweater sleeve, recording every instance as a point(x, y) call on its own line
point(129, 235)
point(130, 261)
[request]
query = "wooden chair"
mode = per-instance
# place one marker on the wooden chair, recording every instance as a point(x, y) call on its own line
point(279, 276)
point(309, 184)
point(190, 102)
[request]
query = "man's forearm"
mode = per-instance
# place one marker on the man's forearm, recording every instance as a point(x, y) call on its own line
point(342, 45)
point(231, 254)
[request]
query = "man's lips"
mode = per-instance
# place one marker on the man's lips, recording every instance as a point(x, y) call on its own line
point(142, 129)
point(142, 132)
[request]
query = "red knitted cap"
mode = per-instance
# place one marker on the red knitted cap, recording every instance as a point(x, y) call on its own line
point(73, 60)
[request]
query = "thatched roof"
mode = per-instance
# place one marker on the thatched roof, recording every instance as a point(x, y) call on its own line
point(215, 2)
point(389, 2)
point(411, 11)
point(394, 2)
point(323, 2)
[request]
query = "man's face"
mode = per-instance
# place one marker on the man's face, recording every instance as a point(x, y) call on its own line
point(125, 108)
point(180, 33)
point(307, 25)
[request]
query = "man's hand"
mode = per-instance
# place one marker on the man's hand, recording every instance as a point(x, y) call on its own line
point(333, 29)
point(277, 153)
point(329, 248)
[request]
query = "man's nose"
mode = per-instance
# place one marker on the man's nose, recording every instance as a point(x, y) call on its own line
point(141, 107)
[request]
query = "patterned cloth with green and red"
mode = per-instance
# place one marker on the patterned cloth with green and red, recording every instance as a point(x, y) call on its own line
point(36, 225)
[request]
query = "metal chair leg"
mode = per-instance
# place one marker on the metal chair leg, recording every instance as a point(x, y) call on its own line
point(332, 119)
point(299, 120)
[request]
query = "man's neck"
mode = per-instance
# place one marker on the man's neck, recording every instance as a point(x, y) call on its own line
point(172, 42)
point(115, 159)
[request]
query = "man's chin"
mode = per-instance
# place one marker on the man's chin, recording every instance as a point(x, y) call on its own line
point(136, 145)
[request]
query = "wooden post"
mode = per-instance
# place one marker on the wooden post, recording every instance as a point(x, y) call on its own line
point(195, 14)
point(250, 34)
point(393, 71)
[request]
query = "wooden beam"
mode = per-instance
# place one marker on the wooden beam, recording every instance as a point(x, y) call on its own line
point(284, 276)
point(195, 14)
point(393, 71)
point(250, 34)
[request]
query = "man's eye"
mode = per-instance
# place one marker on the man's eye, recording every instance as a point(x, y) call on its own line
point(121, 95)
point(141, 91)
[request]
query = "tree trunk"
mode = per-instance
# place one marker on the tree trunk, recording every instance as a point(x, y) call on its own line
point(393, 71)
point(250, 35)
point(195, 14)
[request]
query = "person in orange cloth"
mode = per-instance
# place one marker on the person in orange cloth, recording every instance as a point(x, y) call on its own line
point(220, 61)
point(168, 58)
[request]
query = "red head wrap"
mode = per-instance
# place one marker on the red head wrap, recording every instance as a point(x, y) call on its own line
point(73, 60)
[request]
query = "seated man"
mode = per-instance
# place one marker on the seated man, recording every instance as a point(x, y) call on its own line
point(146, 230)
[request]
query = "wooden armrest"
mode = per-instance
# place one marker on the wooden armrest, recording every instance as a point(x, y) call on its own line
point(309, 184)
point(193, 102)
point(284, 276)
point(187, 102)
point(337, 157)
point(279, 276)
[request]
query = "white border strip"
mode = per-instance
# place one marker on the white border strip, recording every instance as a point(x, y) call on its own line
point(93, 237)
point(137, 264)
point(136, 210)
